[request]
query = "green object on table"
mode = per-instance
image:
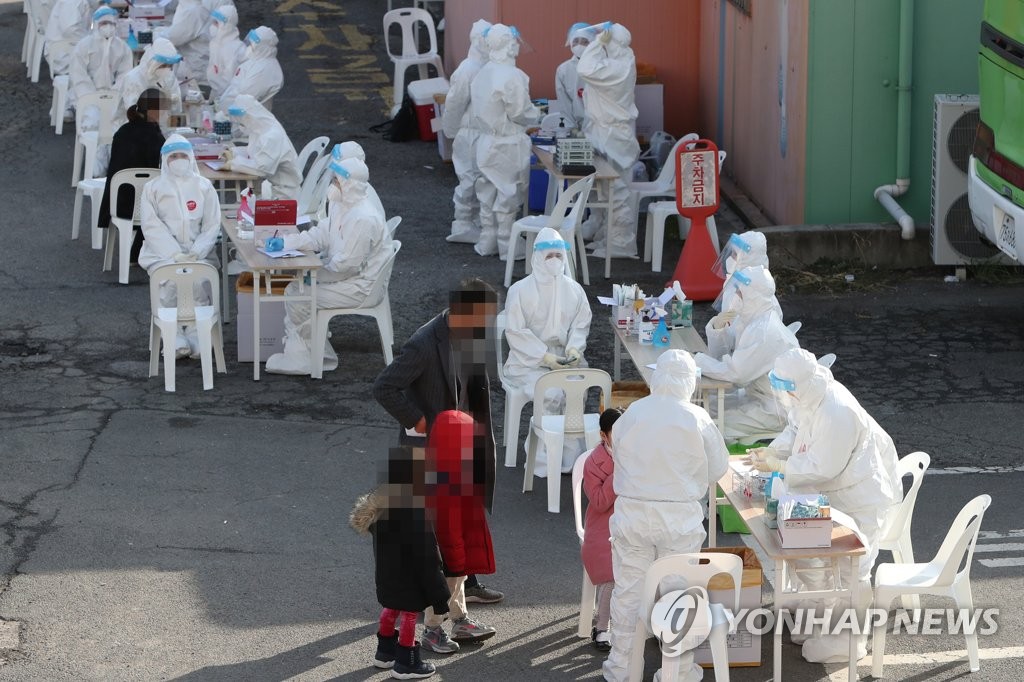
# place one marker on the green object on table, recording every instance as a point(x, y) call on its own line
point(730, 519)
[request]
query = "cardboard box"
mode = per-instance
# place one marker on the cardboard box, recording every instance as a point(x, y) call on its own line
point(651, 107)
point(744, 646)
point(805, 533)
point(625, 393)
point(271, 320)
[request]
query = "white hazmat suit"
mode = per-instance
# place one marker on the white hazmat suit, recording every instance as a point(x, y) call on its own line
point(667, 452)
point(747, 250)
point(831, 445)
point(500, 108)
point(68, 23)
point(547, 322)
point(568, 87)
point(742, 350)
point(457, 124)
point(270, 154)
point(353, 150)
point(354, 246)
point(608, 70)
point(155, 70)
point(259, 74)
point(226, 50)
point(189, 32)
point(99, 62)
point(180, 215)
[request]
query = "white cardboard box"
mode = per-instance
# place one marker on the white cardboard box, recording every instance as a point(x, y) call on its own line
point(805, 533)
point(744, 646)
point(271, 325)
point(650, 102)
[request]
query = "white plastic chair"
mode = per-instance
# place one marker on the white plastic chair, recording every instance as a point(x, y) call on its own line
point(313, 191)
point(572, 201)
point(167, 321)
point(895, 535)
point(516, 397)
point(696, 570)
point(654, 231)
point(30, 31)
point(35, 52)
point(86, 143)
point(658, 150)
point(589, 591)
point(59, 102)
point(137, 178)
point(553, 428)
point(376, 305)
point(665, 184)
point(313, 150)
point(392, 225)
point(942, 576)
point(408, 19)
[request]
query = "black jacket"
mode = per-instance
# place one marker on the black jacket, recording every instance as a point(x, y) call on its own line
point(409, 570)
point(136, 144)
point(421, 382)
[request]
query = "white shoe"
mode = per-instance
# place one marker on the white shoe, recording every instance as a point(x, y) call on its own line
point(181, 348)
point(192, 336)
point(288, 363)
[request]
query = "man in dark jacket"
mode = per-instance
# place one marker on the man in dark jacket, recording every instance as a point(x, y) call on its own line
point(443, 366)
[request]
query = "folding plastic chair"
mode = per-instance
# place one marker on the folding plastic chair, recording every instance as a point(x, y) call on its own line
point(165, 322)
point(554, 428)
point(392, 225)
point(516, 397)
point(59, 102)
point(409, 19)
point(376, 305)
point(942, 576)
point(125, 227)
point(895, 535)
point(313, 150)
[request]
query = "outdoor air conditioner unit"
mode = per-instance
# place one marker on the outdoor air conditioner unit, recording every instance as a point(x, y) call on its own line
point(955, 239)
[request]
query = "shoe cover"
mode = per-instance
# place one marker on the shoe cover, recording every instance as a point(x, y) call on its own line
point(330, 357)
point(236, 267)
point(288, 363)
point(486, 246)
point(694, 674)
point(833, 648)
point(589, 228)
point(192, 336)
point(181, 347)
point(463, 233)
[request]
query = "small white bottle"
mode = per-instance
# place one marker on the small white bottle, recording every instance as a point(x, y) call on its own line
point(646, 331)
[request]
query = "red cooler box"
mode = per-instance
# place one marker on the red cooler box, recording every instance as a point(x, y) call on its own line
point(422, 95)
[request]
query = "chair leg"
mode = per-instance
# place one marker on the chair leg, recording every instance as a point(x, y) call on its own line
point(382, 329)
point(108, 253)
point(169, 360)
point(657, 239)
point(76, 215)
point(206, 353)
point(965, 601)
point(648, 230)
point(124, 239)
point(587, 597)
point(531, 459)
point(399, 89)
point(154, 349)
point(76, 166)
point(318, 339)
point(217, 335)
point(720, 652)
point(512, 417)
point(553, 451)
point(581, 247)
point(878, 637)
point(95, 232)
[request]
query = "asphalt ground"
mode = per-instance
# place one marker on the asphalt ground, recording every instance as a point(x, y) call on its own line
point(202, 535)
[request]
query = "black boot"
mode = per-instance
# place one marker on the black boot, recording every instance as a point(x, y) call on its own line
point(385, 657)
point(408, 665)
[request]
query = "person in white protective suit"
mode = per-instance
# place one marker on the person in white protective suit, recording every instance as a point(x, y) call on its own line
point(607, 68)
point(354, 247)
point(568, 87)
point(180, 215)
point(259, 74)
point(456, 122)
point(743, 342)
point(67, 24)
point(831, 445)
point(547, 322)
point(353, 150)
point(155, 70)
point(190, 35)
point(226, 50)
point(99, 62)
point(667, 451)
point(270, 154)
point(746, 250)
point(500, 108)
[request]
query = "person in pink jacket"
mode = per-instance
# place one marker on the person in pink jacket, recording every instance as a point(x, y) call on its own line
point(596, 551)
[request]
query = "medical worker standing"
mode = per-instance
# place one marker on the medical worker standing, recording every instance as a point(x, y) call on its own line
point(667, 452)
point(226, 50)
point(547, 322)
point(99, 62)
point(500, 108)
point(189, 32)
point(457, 124)
point(181, 221)
point(743, 342)
point(831, 445)
point(607, 68)
point(270, 154)
point(568, 87)
point(354, 246)
point(259, 74)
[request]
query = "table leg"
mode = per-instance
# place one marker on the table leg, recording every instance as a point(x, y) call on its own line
point(312, 316)
point(713, 515)
point(618, 357)
point(225, 282)
point(854, 588)
point(608, 233)
point(780, 581)
point(721, 410)
point(256, 325)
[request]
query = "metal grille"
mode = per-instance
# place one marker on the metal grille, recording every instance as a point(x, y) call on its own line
point(960, 141)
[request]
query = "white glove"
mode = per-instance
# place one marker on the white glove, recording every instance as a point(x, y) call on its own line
point(192, 255)
point(723, 319)
point(182, 257)
point(768, 464)
point(228, 153)
point(572, 357)
point(605, 36)
point(550, 361)
point(291, 242)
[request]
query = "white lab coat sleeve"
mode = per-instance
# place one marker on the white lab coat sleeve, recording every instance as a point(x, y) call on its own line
point(516, 96)
point(313, 239)
point(524, 342)
point(354, 251)
point(824, 459)
point(720, 341)
point(752, 358)
point(264, 155)
point(716, 451)
point(456, 103)
point(185, 28)
point(159, 236)
point(579, 329)
point(598, 68)
point(784, 441)
point(78, 72)
point(210, 228)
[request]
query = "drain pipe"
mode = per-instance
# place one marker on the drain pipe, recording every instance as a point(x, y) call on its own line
point(886, 194)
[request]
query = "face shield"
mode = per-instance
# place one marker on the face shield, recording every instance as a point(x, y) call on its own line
point(784, 390)
point(730, 255)
point(551, 257)
point(731, 297)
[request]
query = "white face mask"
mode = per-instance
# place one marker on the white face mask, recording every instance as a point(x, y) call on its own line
point(107, 30)
point(578, 49)
point(180, 168)
point(554, 266)
point(334, 194)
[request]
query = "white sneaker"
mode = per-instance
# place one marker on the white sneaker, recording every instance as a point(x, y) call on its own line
point(181, 348)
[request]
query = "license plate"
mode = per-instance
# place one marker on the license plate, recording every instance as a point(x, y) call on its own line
point(1007, 233)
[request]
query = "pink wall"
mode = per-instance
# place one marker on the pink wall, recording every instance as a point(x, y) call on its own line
point(751, 117)
point(665, 34)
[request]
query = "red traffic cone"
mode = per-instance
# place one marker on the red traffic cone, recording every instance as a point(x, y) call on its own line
point(693, 270)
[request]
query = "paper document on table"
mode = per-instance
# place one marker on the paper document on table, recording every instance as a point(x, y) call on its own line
point(652, 365)
point(163, 3)
point(606, 300)
point(215, 165)
point(287, 253)
point(549, 148)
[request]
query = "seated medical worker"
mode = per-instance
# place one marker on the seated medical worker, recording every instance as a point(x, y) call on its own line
point(259, 73)
point(99, 62)
point(270, 154)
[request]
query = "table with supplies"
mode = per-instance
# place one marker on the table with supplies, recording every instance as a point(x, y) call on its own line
point(266, 269)
point(846, 546)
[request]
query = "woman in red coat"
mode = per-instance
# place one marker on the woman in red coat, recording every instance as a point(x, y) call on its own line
point(455, 453)
point(596, 551)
